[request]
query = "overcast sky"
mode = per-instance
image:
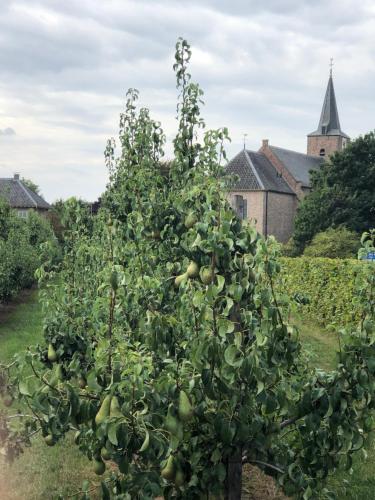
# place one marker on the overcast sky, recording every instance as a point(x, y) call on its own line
point(65, 67)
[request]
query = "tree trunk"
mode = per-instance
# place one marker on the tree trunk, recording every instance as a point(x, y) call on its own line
point(234, 477)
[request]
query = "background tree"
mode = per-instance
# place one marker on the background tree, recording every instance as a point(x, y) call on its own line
point(31, 185)
point(343, 193)
point(334, 243)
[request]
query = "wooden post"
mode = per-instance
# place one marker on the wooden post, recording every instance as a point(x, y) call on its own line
point(234, 477)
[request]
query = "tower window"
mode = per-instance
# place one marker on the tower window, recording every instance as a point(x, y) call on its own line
point(322, 152)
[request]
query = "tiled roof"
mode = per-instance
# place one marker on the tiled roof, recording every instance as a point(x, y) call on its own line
point(255, 173)
point(269, 176)
point(19, 195)
point(240, 166)
point(298, 164)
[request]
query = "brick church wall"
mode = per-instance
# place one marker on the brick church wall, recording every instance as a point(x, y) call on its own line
point(281, 210)
point(330, 144)
point(255, 206)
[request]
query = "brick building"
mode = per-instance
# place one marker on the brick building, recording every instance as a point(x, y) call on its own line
point(270, 182)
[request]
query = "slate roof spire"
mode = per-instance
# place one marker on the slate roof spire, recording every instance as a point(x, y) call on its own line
point(329, 123)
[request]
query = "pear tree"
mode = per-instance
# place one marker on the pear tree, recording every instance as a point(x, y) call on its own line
point(167, 350)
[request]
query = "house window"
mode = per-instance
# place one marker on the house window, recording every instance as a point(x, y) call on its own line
point(322, 152)
point(22, 213)
point(240, 206)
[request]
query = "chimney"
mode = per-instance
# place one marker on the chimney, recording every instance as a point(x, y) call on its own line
point(16, 177)
point(265, 143)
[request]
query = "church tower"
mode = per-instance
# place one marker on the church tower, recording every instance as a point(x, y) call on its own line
point(328, 137)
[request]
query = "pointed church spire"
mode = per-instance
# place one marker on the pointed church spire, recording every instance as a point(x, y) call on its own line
point(329, 123)
point(328, 137)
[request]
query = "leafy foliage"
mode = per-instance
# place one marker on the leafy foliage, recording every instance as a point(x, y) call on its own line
point(342, 193)
point(324, 287)
point(20, 252)
point(31, 185)
point(167, 349)
point(333, 243)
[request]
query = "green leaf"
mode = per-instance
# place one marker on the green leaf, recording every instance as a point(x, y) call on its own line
point(146, 442)
point(24, 388)
point(112, 433)
point(106, 495)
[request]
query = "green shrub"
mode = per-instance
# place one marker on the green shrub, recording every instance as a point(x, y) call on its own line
point(20, 249)
point(289, 249)
point(335, 243)
point(324, 286)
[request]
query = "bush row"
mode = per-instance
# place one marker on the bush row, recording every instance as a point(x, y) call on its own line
point(21, 252)
point(323, 287)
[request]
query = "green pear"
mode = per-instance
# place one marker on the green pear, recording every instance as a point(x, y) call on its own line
point(179, 479)
point(169, 471)
point(192, 270)
point(207, 275)
point(191, 220)
point(99, 467)
point(180, 279)
point(105, 454)
point(103, 412)
point(49, 440)
point(185, 409)
point(115, 409)
point(171, 423)
point(52, 356)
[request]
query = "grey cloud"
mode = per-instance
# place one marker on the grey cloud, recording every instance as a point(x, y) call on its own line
point(7, 131)
point(65, 66)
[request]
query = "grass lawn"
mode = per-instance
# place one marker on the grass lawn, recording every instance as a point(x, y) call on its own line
point(44, 472)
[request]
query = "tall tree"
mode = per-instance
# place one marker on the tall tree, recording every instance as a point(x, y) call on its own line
point(343, 193)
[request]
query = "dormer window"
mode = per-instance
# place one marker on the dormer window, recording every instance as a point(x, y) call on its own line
point(322, 152)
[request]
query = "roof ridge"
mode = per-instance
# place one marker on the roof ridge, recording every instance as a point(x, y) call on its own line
point(254, 170)
point(27, 193)
point(295, 152)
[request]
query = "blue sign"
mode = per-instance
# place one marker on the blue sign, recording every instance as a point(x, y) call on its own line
point(370, 256)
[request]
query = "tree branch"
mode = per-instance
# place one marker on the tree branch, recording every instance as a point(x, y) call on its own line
point(264, 464)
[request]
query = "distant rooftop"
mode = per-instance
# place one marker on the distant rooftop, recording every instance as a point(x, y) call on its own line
point(18, 195)
point(298, 164)
point(256, 172)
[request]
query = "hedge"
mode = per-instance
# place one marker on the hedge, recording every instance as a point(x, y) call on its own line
point(324, 287)
point(20, 249)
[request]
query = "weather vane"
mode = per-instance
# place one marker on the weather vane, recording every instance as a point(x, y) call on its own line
point(331, 66)
point(244, 141)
